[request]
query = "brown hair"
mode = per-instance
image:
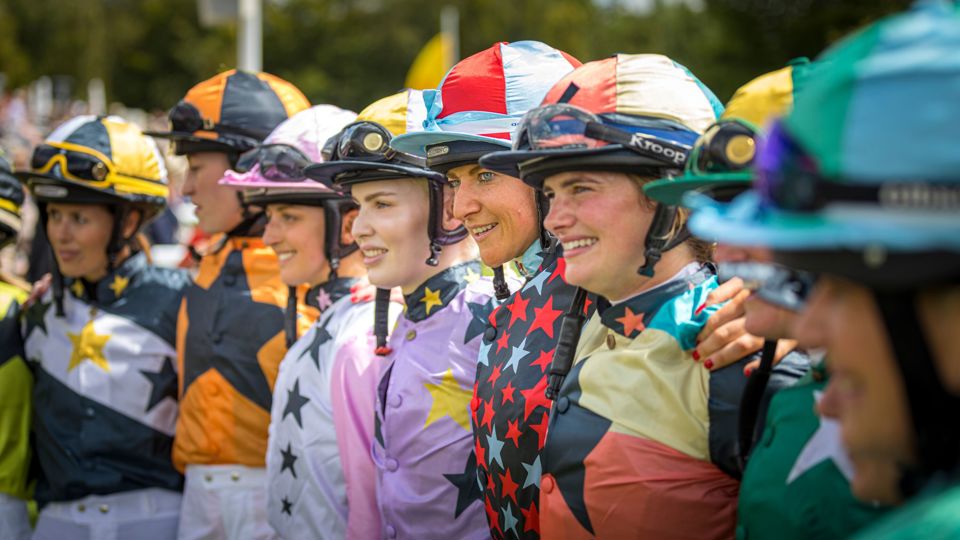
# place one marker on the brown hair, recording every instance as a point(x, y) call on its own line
point(701, 249)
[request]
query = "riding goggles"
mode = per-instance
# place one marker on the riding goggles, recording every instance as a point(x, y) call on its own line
point(776, 284)
point(788, 178)
point(728, 146)
point(276, 162)
point(562, 126)
point(364, 141)
point(76, 162)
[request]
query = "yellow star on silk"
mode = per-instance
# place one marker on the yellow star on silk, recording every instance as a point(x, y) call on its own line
point(449, 400)
point(88, 345)
point(119, 284)
point(431, 298)
point(471, 276)
point(77, 288)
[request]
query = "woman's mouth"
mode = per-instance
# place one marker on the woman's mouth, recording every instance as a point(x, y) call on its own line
point(372, 256)
point(67, 256)
point(285, 256)
point(481, 232)
point(572, 248)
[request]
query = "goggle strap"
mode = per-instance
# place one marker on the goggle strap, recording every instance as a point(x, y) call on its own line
point(290, 317)
point(751, 398)
point(570, 327)
point(381, 321)
point(568, 94)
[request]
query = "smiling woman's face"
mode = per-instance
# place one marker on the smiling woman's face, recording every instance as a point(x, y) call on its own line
point(499, 211)
point(866, 391)
point(601, 219)
point(391, 231)
point(296, 233)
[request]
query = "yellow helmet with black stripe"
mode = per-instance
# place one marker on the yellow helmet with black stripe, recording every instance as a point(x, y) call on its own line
point(99, 160)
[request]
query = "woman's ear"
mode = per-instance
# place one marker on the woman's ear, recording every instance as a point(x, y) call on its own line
point(449, 222)
point(346, 226)
point(132, 222)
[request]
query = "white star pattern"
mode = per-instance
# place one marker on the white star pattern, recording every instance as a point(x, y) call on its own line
point(824, 445)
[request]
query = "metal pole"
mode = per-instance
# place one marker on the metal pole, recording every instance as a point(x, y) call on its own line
point(450, 26)
point(250, 35)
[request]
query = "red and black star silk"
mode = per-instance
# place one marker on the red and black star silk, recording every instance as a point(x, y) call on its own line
point(510, 409)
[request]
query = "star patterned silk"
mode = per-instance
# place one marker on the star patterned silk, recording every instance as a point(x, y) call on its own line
point(423, 447)
point(509, 408)
point(105, 392)
point(322, 481)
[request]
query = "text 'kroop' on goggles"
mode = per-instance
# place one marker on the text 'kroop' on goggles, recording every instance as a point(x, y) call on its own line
point(562, 126)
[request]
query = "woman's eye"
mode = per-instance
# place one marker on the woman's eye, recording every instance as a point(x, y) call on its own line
point(381, 204)
point(486, 176)
point(580, 189)
point(454, 183)
point(549, 195)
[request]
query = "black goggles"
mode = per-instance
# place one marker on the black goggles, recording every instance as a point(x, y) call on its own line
point(776, 284)
point(185, 117)
point(562, 126)
point(74, 164)
point(787, 177)
point(363, 141)
point(728, 146)
point(276, 162)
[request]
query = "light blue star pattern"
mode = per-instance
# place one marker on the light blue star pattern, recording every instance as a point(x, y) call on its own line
point(537, 282)
point(533, 473)
point(484, 350)
point(494, 445)
point(517, 355)
point(509, 521)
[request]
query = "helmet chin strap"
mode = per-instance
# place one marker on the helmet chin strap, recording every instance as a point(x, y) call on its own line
point(936, 432)
point(659, 238)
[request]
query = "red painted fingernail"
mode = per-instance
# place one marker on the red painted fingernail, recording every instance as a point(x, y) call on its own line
point(747, 372)
point(353, 298)
point(353, 288)
point(708, 364)
point(696, 355)
point(699, 309)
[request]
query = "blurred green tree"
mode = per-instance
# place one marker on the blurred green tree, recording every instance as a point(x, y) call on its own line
point(351, 52)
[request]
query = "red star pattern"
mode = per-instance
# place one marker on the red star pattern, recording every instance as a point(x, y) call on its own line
point(493, 517)
point(544, 360)
point(494, 376)
point(487, 414)
point(544, 318)
point(481, 451)
point(502, 342)
point(513, 433)
point(535, 397)
point(508, 487)
point(541, 429)
point(518, 310)
point(531, 517)
point(632, 322)
point(513, 400)
point(559, 270)
point(508, 393)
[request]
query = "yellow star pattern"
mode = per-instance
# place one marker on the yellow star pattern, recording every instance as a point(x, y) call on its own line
point(449, 400)
point(119, 285)
point(471, 276)
point(88, 345)
point(77, 289)
point(431, 298)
